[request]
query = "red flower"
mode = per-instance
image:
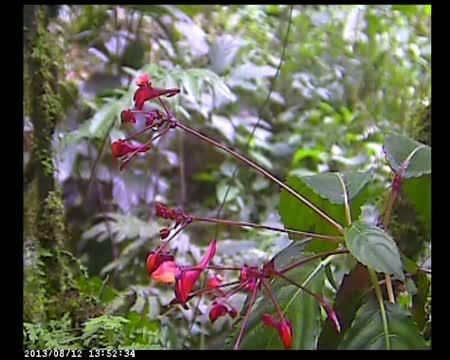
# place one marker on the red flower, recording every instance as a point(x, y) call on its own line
point(128, 116)
point(164, 233)
point(218, 310)
point(143, 80)
point(214, 282)
point(331, 313)
point(178, 215)
point(146, 92)
point(165, 273)
point(249, 275)
point(152, 116)
point(186, 279)
point(284, 329)
point(120, 148)
point(154, 260)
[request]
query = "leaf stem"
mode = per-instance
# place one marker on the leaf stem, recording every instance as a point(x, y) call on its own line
point(348, 214)
point(379, 296)
point(264, 173)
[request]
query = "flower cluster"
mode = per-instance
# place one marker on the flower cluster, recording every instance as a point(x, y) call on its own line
point(163, 268)
point(125, 149)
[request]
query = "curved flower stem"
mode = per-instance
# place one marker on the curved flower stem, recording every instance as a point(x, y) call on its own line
point(128, 158)
point(304, 261)
point(331, 238)
point(234, 268)
point(207, 290)
point(264, 173)
point(165, 243)
point(272, 297)
point(373, 275)
point(247, 315)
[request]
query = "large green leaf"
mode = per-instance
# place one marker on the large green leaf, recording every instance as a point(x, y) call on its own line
point(300, 308)
point(374, 248)
point(349, 299)
point(399, 148)
point(418, 191)
point(326, 192)
point(366, 332)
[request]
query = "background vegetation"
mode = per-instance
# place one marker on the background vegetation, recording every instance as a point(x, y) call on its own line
point(351, 76)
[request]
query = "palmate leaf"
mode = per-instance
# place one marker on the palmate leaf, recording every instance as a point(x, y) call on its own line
point(374, 248)
point(326, 191)
point(366, 331)
point(300, 308)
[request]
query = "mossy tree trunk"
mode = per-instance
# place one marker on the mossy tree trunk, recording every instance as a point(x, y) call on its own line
point(43, 64)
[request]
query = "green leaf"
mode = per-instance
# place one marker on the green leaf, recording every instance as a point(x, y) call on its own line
point(223, 189)
point(399, 148)
point(418, 191)
point(330, 187)
point(366, 332)
point(326, 192)
point(374, 248)
point(420, 298)
point(349, 299)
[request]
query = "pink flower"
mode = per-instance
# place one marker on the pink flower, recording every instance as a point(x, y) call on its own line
point(154, 260)
point(214, 282)
point(186, 278)
point(165, 273)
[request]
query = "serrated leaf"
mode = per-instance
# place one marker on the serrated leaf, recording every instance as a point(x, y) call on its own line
point(418, 191)
point(295, 215)
point(374, 248)
point(329, 185)
point(366, 331)
point(399, 148)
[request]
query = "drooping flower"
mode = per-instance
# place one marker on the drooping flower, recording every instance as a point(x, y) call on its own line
point(164, 233)
point(331, 313)
point(186, 278)
point(146, 92)
point(143, 80)
point(127, 116)
point(166, 272)
point(220, 309)
point(155, 259)
point(121, 148)
point(284, 328)
point(151, 117)
point(250, 276)
point(214, 282)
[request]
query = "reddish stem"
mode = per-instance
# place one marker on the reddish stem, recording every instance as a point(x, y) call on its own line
point(331, 238)
point(247, 315)
point(301, 262)
point(264, 173)
point(274, 301)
